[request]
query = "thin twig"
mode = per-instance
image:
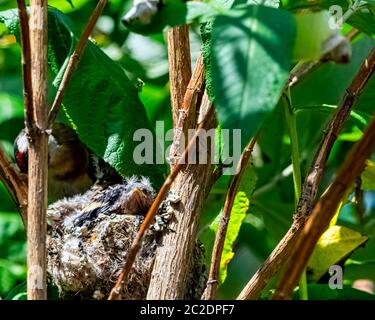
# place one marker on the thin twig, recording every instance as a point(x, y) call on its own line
point(26, 62)
point(324, 211)
point(74, 60)
point(116, 290)
point(281, 253)
point(37, 154)
point(213, 280)
point(15, 183)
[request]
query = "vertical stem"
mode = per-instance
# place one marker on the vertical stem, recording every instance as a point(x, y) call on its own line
point(38, 156)
point(179, 66)
point(291, 122)
point(292, 127)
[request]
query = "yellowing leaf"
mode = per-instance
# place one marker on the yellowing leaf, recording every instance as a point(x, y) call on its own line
point(368, 176)
point(333, 245)
point(336, 216)
point(238, 214)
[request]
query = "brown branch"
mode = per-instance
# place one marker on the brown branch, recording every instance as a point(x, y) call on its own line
point(74, 60)
point(213, 280)
point(38, 155)
point(26, 61)
point(179, 66)
point(15, 183)
point(116, 291)
point(172, 266)
point(187, 113)
point(281, 253)
point(324, 211)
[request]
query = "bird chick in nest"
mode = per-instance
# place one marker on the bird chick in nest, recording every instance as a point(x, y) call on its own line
point(133, 197)
point(90, 235)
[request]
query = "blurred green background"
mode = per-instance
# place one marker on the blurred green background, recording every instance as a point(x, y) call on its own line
point(270, 213)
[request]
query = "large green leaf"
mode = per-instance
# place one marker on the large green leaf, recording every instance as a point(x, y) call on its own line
point(251, 52)
point(334, 244)
point(100, 101)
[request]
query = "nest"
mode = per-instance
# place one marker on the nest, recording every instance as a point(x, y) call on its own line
point(85, 260)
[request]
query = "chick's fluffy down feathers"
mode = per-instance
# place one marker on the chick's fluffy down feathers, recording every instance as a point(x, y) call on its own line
point(90, 235)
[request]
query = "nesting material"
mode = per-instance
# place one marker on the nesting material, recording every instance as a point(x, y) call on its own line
point(89, 239)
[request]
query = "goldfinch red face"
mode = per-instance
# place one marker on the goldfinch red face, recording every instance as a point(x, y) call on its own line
point(21, 146)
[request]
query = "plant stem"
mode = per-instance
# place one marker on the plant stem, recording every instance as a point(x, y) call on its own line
point(291, 122)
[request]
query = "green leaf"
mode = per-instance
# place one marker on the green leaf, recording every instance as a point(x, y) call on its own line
point(251, 53)
point(240, 207)
point(100, 101)
point(324, 292)
point(368, 176)
point(334, 244)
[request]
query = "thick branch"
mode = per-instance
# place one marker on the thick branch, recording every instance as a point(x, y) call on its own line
point(15, 183)
point(213, 280)
point(74, 60)
point(324, 211)
point(173, 260)
point(187, 113)
point(38, 156)
point(179, 67)
point(281, 253)
point(116, 291)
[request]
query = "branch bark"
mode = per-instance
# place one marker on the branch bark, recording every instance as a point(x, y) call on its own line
point(172, 264)
point(213, 280)
point(324, 211)
point(116, 291)
point(74, 60)
point(179, 66)
point(38, 155)
point(26, 61)
point(281, 253)
point(173, 259)
point(186, 117)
